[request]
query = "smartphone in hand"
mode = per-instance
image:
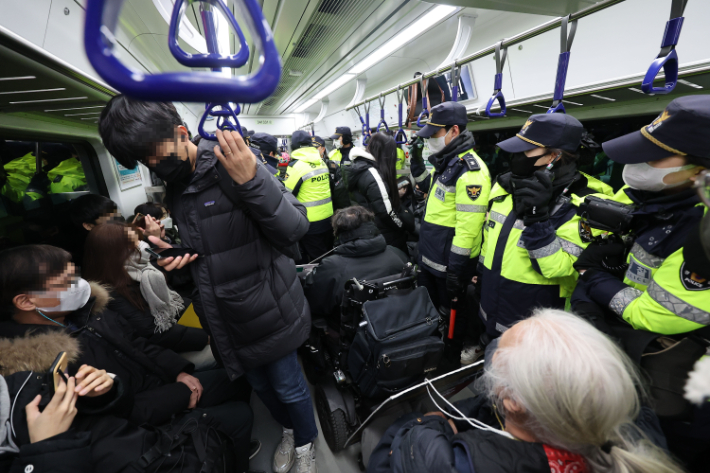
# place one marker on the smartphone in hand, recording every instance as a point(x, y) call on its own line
point(58, 370)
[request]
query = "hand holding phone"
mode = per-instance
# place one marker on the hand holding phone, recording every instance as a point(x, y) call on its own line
point(178, 258)
point(58, 370)
point(56, 417)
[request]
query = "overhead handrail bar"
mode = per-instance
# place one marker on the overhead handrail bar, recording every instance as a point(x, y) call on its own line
point(382, 115)
point(423, 88)
point(498, 83)
point(213, 59)
point(563, 64)
point(401, 136)
point(667, 59)
point(519, 38)
point(223, 122)
point(455, 78)
point(100, 44)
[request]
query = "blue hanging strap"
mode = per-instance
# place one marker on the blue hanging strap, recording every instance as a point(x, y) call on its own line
point(366, 134)
point(223, 117)
point(423, 85)
point(667, 59)
point(400, 137)
point(500, 54)
point(455, 78)
point(100, 44)
point(382, 121)
point(213, 59)
point(563, 64)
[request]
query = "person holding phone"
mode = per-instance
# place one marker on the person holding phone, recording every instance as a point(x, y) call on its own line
point(240, 220)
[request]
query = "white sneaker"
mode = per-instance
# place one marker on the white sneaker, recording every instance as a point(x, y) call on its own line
point(285, 453)
point(470, 354)
point(306, 459)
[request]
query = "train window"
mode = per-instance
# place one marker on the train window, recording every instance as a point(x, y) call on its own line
point(35, 190)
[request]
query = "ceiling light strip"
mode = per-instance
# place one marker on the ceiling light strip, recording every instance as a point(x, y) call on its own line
point(49, 100)
point(33, 91)
point(79, 114)
point(75, 108)
point(2, 79)
point(690, 84)
point(601, 97)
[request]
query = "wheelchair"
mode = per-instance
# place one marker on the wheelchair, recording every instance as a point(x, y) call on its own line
point(387, 338)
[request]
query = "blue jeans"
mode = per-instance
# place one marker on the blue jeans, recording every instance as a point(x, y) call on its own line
point(282, 388)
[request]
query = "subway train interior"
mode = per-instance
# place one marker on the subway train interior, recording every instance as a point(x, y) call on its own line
point(363, 77)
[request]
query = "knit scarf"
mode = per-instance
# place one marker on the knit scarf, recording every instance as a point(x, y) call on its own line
point(164, 303)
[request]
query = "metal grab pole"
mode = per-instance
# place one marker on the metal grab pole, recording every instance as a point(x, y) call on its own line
point(520, 37)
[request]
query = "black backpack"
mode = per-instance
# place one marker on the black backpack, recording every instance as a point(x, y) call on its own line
point(194, 443)
point(396, 345)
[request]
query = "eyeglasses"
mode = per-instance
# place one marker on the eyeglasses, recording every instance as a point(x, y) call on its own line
point(702, 185)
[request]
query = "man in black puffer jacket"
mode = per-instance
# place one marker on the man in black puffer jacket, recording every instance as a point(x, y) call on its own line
point(239, 219)
point(361, 252)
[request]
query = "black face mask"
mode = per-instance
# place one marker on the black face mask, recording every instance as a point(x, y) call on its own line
point(523, 167)
point(172, 168)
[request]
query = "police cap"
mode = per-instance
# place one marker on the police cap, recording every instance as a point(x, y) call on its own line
point(300, 138)
point(681, 129)
point(546, 130)
point(442, 115)
point(264, 142)
point(318, 141)
point(341, 131)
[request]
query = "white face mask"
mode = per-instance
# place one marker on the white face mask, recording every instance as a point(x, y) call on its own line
point(438, 144)
point(72, 299)
point(167, 223)
point(338, 144)
point(645, 177)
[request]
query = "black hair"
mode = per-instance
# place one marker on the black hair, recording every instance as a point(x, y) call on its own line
point(697, 161)
point(130, 129)
point(384, 149)
point(350, 218)
point(88, 208)
point(462, 128)
point(26, 269)
point(154, 209)
point(566, 157)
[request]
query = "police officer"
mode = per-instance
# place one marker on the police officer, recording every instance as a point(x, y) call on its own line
point(268, 146)
point(533, 235)
point(451, 229)
point(659, 292)
point(341, 197)
point(343, 143)
point(308, 178)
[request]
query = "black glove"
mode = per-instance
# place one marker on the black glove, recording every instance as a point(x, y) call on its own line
point(607, 255)
point(532, 197)
point(455, 286)
point(39, 184)
point(415, 149)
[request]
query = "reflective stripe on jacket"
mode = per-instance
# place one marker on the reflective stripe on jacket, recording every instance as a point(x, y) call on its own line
point(307, 177)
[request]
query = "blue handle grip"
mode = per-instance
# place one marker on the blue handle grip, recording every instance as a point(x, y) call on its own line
point(382, 122)
point(557, 108)
point(501, 100)
point(562, 65)
point(669, 64)
point(425, 111)
point(99, 43)
point(222, 120)
point(213, 59)
point(400, 137)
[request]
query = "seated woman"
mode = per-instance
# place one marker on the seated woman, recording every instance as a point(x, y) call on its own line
point(566, 398)
point(115, 256)
point(372, 183)
point(43, 301)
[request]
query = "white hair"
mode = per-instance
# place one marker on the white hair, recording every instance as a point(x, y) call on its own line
point(579, 390)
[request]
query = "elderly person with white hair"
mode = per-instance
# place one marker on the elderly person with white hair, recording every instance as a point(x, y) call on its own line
point(564, 397)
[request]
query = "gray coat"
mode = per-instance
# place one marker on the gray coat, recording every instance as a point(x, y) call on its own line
point(250, 296)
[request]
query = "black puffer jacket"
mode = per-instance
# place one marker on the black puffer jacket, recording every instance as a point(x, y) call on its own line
point(177, 338)
point(361, 253)
point(250, 296)
point(367, 188)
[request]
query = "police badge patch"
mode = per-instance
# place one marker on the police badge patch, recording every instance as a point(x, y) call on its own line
point(692, 281)
point(473, 192)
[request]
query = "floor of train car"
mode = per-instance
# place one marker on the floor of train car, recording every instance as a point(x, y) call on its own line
point(269, 432)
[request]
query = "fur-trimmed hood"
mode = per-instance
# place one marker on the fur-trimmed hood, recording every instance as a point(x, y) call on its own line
point(358, 152)
point(37, 350)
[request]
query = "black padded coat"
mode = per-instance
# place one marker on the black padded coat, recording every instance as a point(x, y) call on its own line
point(250, 298)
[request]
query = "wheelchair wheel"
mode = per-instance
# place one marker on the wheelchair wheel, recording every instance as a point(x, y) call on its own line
point(332, 423)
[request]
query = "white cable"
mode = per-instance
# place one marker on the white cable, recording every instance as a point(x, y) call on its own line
point(12, 408)
point(474, 422)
